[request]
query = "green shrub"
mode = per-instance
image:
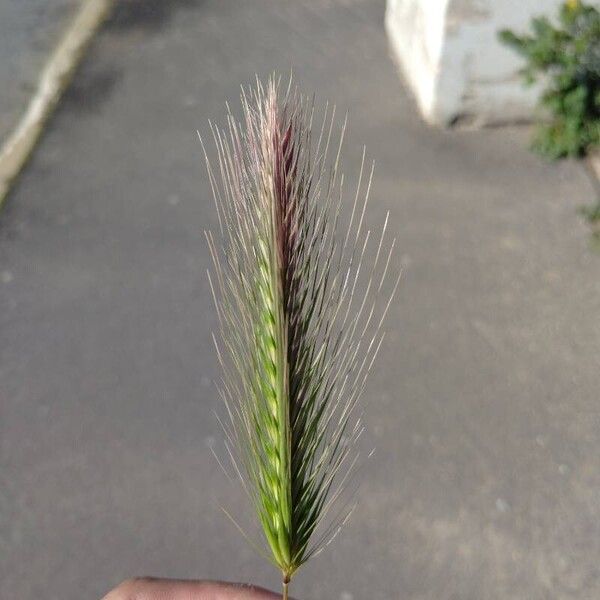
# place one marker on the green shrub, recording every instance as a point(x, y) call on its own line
point(567, 58)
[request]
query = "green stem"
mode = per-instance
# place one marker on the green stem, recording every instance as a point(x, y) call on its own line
point(286, 581)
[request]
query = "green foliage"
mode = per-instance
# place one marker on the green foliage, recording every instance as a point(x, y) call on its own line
point(591, 213)
point(567, 58)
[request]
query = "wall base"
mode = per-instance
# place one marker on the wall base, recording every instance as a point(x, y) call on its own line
point(453, 62)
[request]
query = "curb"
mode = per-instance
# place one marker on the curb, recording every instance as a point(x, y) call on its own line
point(52, 82)
point(594, 163)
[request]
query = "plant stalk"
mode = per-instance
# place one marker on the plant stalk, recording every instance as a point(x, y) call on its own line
point(286, 581)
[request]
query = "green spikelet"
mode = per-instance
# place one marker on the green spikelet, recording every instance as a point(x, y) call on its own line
point(300, 318)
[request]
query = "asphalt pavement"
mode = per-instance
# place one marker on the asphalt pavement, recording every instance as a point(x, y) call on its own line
point(483, 406)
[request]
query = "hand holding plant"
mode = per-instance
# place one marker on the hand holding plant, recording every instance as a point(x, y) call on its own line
point(300, 313)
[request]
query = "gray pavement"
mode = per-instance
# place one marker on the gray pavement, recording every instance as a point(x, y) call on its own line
point(484, 405)
point(29, 31)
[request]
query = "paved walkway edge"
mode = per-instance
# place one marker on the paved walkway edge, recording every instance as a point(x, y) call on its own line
point(595, 164)
point(53, 80)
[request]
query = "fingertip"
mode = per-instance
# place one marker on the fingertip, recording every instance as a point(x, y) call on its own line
point(150, 588)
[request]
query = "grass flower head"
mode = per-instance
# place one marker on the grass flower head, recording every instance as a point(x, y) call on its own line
point(300, 314)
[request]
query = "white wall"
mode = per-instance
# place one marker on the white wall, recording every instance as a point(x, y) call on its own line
point(452, 60)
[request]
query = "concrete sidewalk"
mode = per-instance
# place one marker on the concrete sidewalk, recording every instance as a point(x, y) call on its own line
point(41, 47)
point(484, 405)
point(29, 32)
